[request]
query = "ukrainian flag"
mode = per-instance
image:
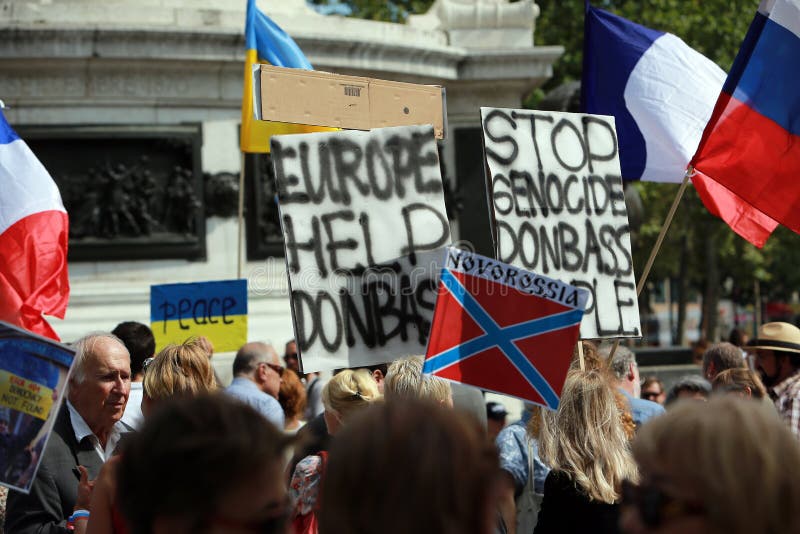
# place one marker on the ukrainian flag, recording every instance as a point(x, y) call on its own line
point(266, 42)
point(217, 310)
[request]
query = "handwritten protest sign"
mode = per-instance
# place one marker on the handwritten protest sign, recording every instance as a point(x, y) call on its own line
point(361, 214)
point(559, 208)
point(217, 310)
point(504, 329)
point(33, 375)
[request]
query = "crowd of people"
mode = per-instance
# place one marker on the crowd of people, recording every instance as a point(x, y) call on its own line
point(154, 443)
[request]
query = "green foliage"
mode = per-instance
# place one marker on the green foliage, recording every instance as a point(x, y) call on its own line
point(715, 28)
point(388, 11)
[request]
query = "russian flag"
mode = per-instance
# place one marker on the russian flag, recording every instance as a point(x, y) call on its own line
point(660, 91)
point(751, 146)
point(34, 232)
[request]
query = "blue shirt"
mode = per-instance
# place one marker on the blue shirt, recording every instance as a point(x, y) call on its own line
point(247, 391)
point(512, 445)
point(641, 409)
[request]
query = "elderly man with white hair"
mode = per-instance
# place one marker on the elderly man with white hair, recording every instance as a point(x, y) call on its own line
point(626, 371)
point(85, 434)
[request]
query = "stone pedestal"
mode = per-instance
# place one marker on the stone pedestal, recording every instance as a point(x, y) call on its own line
point(166, 62)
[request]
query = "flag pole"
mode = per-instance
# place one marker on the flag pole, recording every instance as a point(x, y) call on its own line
point(659, 240)
point(241, 217)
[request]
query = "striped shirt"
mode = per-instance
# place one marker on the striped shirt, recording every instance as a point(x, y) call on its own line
point(786, 396)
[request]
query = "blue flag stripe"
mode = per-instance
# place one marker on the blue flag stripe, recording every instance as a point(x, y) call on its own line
point(271, 42)
point(765, 78)
point(7, 133)
point(612, 47)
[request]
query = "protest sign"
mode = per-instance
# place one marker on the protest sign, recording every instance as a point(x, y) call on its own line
point(503, 329)
point(217, 310)
point(362, 214)
point(559, 208)
point(33, 375)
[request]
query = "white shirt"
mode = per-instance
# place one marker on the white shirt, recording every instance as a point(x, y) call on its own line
point(133, 410)
point(82, 430)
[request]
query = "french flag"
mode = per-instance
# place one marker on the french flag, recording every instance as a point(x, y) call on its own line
point(660, 91)
point(34, 231)
point(751, 146)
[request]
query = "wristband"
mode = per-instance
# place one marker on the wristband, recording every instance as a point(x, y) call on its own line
point(77, 515)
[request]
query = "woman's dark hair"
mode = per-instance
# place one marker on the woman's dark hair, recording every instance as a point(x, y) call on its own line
point(189, 455)
point(409, 467)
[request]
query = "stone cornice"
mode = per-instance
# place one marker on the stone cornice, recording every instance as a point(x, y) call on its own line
point(407, 60)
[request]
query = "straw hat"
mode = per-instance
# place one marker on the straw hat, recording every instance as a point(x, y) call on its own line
point(777, 336)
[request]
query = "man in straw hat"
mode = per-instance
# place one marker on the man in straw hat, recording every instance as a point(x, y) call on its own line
point(777, 350)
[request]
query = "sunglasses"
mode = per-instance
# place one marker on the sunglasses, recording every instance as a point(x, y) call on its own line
point(656, 507)
point(650, 394)
point(277, 368)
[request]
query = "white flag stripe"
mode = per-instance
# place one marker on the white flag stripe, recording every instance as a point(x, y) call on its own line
point(671, 94)
point(787, 14)
point(25, 185)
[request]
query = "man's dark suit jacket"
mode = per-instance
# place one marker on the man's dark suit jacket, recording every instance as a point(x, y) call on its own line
point(55, 488)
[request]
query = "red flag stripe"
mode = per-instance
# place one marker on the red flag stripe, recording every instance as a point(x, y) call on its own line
point(33, 271)
point(757, 159)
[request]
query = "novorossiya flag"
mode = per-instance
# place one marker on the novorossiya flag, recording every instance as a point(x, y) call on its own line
point(503, 329)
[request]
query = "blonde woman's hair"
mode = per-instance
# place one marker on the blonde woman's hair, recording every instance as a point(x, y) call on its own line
point(585, 437)
point(179, 371)
point(350, 391)
point(739, 378)
point(723, 449)
point(405, 380)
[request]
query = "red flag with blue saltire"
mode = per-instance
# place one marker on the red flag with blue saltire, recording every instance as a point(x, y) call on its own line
point(751, 145)
point(33, 239)
point(503, 329)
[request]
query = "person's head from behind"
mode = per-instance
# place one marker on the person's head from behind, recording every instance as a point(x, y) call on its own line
point(405, 380)
point(495, 418)
point(177, 371)
point(653, 390)
point(100, 381)
point(346, 393)
point(292, 396)
point(207, 464)
point(689, 387)
point(738, 337)
point(434, 464)
point(140, 342)
point(592, 357)
point(729, 466)
point(586, 431)
point(258, 362)
point(741, 381)
point(624, 367)
point(720, 357)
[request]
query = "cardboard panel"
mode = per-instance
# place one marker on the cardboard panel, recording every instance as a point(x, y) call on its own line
point(350, 102)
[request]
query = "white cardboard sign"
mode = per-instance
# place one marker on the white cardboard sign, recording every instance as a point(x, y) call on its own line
point(364, 221)
point(559, 208)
